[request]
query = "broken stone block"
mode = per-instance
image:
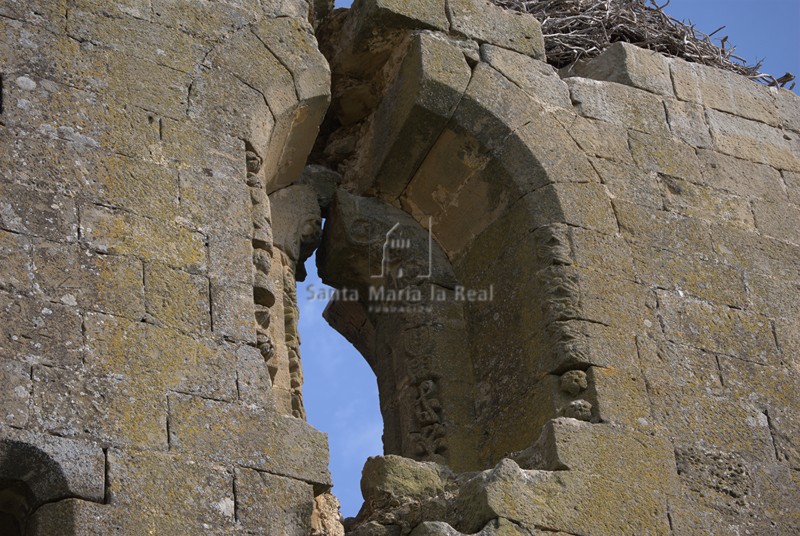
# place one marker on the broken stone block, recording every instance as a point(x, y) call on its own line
point(296, 224)
point(389, 480)
point(324, 181)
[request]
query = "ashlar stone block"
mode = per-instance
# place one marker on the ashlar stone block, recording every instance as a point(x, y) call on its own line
point(487, 23)
point(624, 105)
point(627, 64)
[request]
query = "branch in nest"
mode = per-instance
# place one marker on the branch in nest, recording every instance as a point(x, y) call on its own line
point(585, 28)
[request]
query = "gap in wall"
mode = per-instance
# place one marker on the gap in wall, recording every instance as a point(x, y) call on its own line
point(340, 393)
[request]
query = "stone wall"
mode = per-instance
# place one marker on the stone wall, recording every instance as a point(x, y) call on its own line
point(634, 217)
point(139, 143)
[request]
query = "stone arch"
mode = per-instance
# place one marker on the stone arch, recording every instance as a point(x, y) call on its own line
point(469, 155)
point(29, 478)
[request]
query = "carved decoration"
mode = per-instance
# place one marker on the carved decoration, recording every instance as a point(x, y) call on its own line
point(573, 382)
point(430, 441)
point(579, 409)
point(553, 246)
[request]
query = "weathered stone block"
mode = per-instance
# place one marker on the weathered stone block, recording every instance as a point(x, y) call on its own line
point(213, 200)
point(226, 104)
point(15, 377)
point(632, 184)
point(487, 23)
point(756, 253)
point(60, 111)
point(663, 230)
point(130, 31)
point(157, 360)
point(585, 205)
point(116, 9)
point(688, 198)
point(41, 12)
point(771, 391)
point(775, 297)
point(629, 65)
point(16, 270)
point(710, 281)
point(206, 20)
point(27, 211)
point(665, 155)
point(77, 402)
point(752, 140)
point(115, 232)
point(619, 395)
point(717, 329)
point(419, 101)
point(724, 91)
point(184, 144)
point(53, 467)
point(539, 498)
point(597, 138)
point(141, 187)
point(293, 43)
point(792, 181)
point(296, 222)
point(270, 504)
point(230, 258)
point(416, 15)
point(177, 299)
point(687, 122)
point(74, 276)
point(598, 251)
point(740, 177)
point(192, 494)
point(387, 480)
point(39, 331)
point(626, 106)
point(94, 519)
point(536, 78)
point(233, 311)
point(249, 436)
point(778, 220)
point(789, 110)
point(252, 377)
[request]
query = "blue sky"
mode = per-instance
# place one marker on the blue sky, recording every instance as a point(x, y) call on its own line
point(341, 395)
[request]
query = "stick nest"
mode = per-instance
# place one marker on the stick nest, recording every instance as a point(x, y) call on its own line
point(582, 29)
